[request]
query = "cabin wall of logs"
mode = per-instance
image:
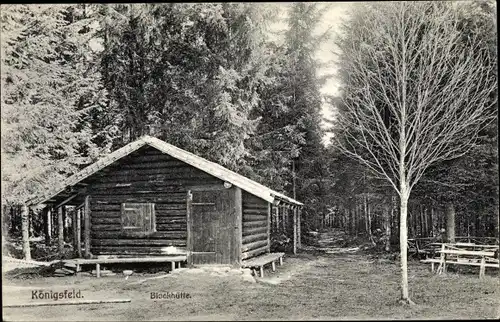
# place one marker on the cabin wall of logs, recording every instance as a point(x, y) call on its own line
point(145, 176)
point(261, 219)
point(255, 234)
point(90, 214)
point(148, 176)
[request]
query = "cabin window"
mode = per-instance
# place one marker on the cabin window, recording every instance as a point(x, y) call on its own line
point(138, 217)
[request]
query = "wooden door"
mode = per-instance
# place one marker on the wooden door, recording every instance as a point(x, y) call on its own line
point(211, 227)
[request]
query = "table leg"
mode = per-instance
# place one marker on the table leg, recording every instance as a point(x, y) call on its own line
point(262, 271)
point(273, 264)
point(172, 264)
point(98, 270)
point(281, 261)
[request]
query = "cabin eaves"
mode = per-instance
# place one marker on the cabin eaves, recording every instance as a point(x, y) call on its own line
point(209, 167)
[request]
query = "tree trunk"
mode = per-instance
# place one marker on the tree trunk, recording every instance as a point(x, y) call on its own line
point(31, 225)
point(5, 221)
point(476, 226)
point(356, 217)
point(46, 229)
point(340, 214)
point(414, 213)
point(370, 225)
point(79, 232)
point(431, 214)
point(66, 221)
point(410, 222)
point(396, 217)
point(422, 222)
point(425, 221)
point(365, 209)
point(450, 222)
point(496, 216)
point(403, 244)
point(86, 233)
point(48, 225)
point(351, 216)
point(25, 232)
point(53, 211)
point(60, 230)
point(294, 184)
point(344, 219)
point(394, 222)
point(387, 225)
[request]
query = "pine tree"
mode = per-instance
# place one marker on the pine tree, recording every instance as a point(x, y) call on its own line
point(305, 105)
point(44, 97)
point(186, 73)
point(276, 141)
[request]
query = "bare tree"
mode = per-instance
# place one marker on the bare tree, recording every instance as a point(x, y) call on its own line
point(416, 93)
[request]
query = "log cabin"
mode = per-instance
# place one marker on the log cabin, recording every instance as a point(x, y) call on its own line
point(150, 199)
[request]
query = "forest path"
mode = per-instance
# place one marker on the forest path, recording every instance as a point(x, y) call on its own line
point(332, 241)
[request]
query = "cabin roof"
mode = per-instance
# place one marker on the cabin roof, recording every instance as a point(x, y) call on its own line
point(209, 167)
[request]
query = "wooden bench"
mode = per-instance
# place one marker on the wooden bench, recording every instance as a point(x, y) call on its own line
point(98, 261)
point(460, 256)
point(260, 261)
point(471, 262)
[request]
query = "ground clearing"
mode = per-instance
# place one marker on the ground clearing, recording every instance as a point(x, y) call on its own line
point(324, 286)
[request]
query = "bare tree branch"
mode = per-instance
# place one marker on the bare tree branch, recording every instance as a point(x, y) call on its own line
point(416, 93)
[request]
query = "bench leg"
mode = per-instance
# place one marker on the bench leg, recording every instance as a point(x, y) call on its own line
point(273, 266)
point(432, 267)
point(98, 270)
point(178, 264)
point(281, 261)
point(482, 268)
point(442, 261)
point(262, 271)
point(172, 264)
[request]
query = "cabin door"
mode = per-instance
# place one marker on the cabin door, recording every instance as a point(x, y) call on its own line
point(211, 227)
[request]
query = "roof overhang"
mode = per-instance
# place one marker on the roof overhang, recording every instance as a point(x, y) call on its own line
point(209, 167)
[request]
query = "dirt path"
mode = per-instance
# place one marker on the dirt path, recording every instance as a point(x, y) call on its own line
point(325, 286)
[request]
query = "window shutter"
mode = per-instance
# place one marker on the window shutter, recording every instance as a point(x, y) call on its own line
point(138, 217)
point(131, 217)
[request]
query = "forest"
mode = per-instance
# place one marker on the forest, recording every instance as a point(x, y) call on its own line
point(81, 80)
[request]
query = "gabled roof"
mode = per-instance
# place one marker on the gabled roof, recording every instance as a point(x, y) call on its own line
point(209, 167)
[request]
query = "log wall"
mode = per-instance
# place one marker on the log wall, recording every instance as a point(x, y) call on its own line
point(255, 232)
point(146, 175)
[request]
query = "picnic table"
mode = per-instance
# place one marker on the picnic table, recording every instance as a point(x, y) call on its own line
point(465, 254)
point(428, 246)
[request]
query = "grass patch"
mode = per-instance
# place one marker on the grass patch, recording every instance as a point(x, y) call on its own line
point(331, 286)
